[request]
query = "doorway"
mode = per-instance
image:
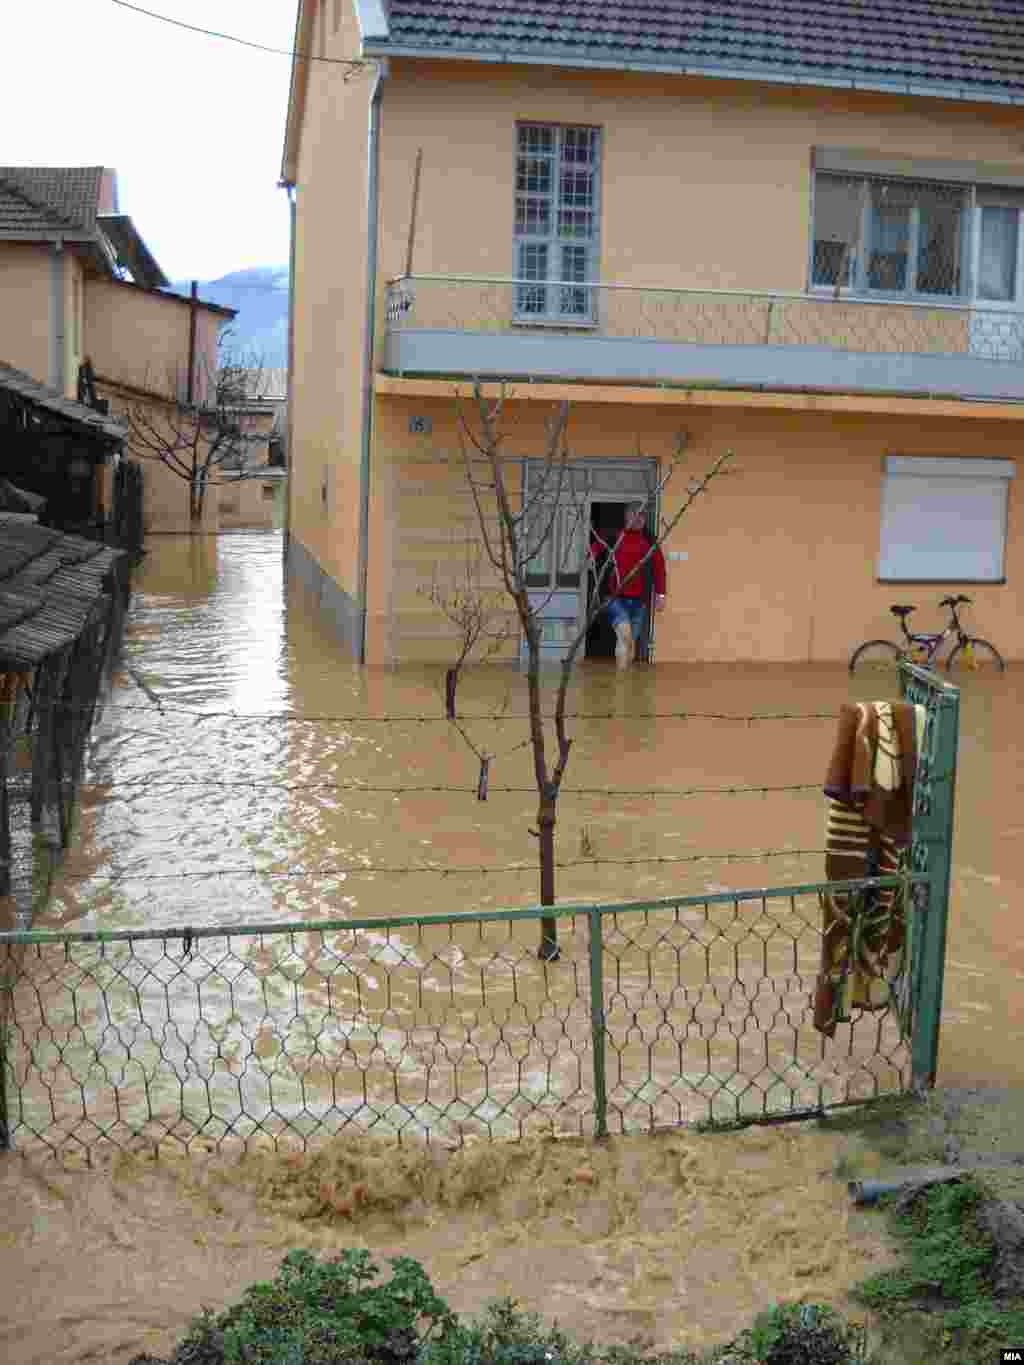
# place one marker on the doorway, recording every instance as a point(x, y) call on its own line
point(593, 495)
point(606, 522)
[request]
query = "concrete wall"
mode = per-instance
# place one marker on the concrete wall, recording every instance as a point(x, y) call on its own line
point(25, 310)
point(330, 289)
point(782, 553)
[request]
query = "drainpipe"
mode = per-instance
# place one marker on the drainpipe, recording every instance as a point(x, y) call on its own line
point(368, 354)
point(190, 381)
point(289, 408)
point(57, 377)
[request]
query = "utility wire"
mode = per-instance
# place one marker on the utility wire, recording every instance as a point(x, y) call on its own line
point(244, 42)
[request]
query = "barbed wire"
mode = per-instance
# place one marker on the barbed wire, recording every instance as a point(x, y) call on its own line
point(274, 717)
point(252, 784)
point(487, 870)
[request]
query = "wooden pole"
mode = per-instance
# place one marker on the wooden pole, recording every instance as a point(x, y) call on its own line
point(414, 210)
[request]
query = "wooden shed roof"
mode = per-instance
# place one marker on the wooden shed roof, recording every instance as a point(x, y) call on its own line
point(51, 586)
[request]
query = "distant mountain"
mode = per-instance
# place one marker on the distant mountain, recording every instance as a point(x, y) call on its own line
point(261, 297)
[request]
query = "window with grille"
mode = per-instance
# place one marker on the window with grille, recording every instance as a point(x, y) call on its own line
point(898, 237)
point(556, 222)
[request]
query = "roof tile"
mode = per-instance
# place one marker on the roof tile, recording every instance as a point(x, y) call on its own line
point(977, 47)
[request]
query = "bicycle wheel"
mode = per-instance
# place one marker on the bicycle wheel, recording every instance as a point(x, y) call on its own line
point(875, 656)
point(986, 658)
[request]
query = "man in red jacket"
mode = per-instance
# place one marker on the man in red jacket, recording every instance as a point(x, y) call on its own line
point(626, 580)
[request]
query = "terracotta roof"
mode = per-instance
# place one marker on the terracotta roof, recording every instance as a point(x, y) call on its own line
point(49, 199)
point(54, 401)
point(969, 49)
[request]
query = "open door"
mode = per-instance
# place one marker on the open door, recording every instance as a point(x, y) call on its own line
point(606, 521)
point(559, 583)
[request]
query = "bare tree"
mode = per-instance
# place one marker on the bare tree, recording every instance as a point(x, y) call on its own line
point(512, 540)
point(198, 429)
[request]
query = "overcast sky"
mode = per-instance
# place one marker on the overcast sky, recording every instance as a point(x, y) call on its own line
point(193, 125)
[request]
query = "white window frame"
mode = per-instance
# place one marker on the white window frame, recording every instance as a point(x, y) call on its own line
point(995, 198)
point(857, 266)
point(912, 537)
point(553, 242)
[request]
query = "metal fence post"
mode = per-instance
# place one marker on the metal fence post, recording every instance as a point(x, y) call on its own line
point(931, 852)
point(597, 1022)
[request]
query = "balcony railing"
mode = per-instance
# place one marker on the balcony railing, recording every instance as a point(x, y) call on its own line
point(453, 325)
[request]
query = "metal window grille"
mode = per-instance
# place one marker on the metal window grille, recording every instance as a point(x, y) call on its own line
point(556, 222)
point(902, 238)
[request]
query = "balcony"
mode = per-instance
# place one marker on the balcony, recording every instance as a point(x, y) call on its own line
point(496, 328)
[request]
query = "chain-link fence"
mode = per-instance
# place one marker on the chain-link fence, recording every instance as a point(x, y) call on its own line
point(656, 1014)
point(686, 1009)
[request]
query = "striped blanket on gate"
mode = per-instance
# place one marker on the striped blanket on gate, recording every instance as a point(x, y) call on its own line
point(869, 791)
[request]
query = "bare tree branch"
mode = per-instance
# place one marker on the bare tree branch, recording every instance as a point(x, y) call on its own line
point(202, 441)
point(513, 544)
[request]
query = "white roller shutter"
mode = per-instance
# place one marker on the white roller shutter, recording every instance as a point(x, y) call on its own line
point(944, 519)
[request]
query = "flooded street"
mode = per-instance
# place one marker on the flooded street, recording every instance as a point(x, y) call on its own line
point(246, 772)
point(311, 818)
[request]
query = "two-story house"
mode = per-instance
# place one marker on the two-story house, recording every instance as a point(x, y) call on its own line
point(66, 255)
point(794, 229)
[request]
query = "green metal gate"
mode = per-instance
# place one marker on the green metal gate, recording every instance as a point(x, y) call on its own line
point(658, 1013)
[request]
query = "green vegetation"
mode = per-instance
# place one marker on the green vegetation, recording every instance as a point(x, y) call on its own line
point(944, 1296)
point(334, 1312)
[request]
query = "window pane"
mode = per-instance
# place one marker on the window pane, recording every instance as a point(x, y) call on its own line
point(939, 240)
point(890, 236)
point(837, 216)
point(533, 216)
point(533, 265)
point(576, 223)
point(538, 542)
point(533, 174)
point(579, 145)
point(577, 189)
point(997, 260)
point(575, 266)
point(536, 137)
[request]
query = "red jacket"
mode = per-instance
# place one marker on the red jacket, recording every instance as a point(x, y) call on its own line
point(631, 549)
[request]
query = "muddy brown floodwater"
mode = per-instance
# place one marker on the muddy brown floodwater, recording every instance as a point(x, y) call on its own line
point(675, 1238)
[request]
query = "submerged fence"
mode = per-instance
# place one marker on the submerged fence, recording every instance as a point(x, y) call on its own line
point(659, 1012)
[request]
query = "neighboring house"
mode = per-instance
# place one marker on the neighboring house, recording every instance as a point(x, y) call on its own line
point(791, 228)
point(65, 253)
point(254, 491)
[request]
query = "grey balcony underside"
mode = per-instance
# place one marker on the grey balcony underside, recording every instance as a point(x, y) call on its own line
point(632, 360)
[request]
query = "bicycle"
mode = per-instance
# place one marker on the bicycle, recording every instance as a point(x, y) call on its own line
point(970, 651)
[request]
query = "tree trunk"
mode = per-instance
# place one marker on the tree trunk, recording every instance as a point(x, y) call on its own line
point(546, 817)
point(195, 502)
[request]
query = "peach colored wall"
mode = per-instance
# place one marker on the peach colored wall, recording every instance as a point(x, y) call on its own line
point(25, 314)
point(251, 504)
point(704, 183)
point(139, 337)
point(782, 552)
point(330, 291)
